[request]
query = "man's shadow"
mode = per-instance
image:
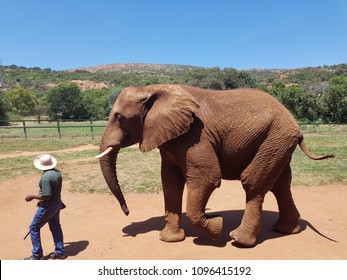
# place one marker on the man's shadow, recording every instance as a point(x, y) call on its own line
point(72, 248)
point(231, 220)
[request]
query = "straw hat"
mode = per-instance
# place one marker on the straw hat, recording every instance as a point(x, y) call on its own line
point(45, 162)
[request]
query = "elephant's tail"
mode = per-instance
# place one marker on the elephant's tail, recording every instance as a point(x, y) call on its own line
point(308, 153)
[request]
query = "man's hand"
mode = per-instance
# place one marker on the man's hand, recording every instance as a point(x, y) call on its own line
point(29, 197)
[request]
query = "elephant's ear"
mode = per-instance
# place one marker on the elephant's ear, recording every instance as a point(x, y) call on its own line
point(169, 113)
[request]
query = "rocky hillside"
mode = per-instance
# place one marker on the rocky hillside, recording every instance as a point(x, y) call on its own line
point(299, 75)
point(143, 68)
point(113, 75)
point(265, 76)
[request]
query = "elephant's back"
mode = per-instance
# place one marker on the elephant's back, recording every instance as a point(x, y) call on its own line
point(244, 108)
point(234, 97)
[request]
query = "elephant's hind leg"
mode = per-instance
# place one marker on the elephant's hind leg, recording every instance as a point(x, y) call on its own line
point(289, 217)
point(203, 177)
point(196, 203)
point(246, 234)
point(257, 179)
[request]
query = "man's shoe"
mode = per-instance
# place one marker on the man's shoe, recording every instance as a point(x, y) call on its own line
point(33, 258)
point(55, 256)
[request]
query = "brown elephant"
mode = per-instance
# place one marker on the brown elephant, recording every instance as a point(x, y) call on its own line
point(205, 136)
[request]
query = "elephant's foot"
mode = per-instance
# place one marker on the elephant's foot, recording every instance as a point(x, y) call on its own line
point(286, 227)
point(243, 237)
point(168, 234)
point(214, 226)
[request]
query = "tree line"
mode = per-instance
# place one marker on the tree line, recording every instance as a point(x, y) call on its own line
point(64, 101)
point(307, 102)
point(328, 105)
point(67, 101)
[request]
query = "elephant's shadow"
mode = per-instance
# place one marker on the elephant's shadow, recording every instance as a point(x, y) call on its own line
point(231, 220)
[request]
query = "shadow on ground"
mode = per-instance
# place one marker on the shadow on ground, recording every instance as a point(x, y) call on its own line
point(231, 220)
point(74, 248)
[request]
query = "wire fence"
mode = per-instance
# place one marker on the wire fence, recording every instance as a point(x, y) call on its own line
point(94, 128)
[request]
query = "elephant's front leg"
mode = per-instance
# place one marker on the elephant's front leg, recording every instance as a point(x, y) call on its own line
point(173, 184)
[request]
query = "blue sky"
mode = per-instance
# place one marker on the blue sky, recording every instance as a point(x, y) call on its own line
point(240, 34)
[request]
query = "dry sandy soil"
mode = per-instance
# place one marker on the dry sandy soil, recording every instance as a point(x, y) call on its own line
point(96, 229)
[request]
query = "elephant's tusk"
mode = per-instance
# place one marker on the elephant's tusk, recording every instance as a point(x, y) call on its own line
point(107, 151)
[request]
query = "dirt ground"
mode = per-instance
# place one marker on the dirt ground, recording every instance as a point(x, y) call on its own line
point(96, 229)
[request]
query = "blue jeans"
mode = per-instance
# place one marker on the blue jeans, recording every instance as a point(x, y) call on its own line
point(47, 213)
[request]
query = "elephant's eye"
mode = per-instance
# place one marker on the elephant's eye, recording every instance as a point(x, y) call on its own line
point(118, 117)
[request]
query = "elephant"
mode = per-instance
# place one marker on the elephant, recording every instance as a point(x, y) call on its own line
point(205, 136)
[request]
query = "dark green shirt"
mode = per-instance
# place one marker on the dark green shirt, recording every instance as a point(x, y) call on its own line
point(50, 184)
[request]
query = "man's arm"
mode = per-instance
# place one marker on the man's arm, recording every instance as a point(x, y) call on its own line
point(40, 197)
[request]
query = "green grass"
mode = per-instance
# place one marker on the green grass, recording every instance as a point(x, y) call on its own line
point(22, 165)
point(322, 129)
point(140, 172)
point(312, 173)
point(12, 145)
point(13, 167)
point(137, 172)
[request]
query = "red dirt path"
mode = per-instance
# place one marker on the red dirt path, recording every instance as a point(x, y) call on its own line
point(96, 229)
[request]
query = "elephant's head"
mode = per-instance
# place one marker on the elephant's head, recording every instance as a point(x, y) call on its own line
point(149, 115)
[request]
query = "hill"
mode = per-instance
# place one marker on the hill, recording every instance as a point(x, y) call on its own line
point(299, 75)
point(111, 75)
point(143, 68)
point(114, 75)
point(304, 76)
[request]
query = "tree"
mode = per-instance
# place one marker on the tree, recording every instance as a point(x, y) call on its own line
point(21, 101)
point(277, 89)
point(96, 102)
point(65, 101)
point(3, 107)
point(246, 79)
point(215, 78)
point(114, 93)
point(231, 78)
point(301, 103)
point(334, 100)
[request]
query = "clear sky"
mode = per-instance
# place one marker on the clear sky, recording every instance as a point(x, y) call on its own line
point(242, 34)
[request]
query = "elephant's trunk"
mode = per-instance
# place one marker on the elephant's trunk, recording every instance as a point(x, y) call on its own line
point(108, 168)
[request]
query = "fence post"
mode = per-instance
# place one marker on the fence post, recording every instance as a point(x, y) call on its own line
point(58, 126)
point(25, 131)
point(91, 128)
point(317, 128)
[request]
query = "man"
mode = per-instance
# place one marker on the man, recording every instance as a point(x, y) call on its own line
point(49, 207)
